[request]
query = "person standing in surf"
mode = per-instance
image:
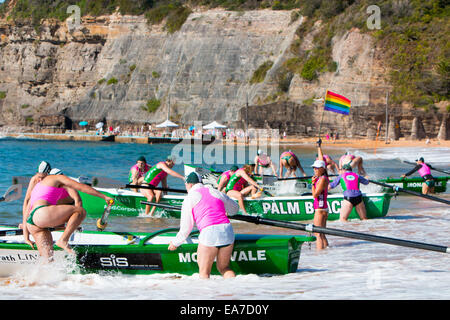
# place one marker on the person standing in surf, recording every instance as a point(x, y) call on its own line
point(424, 170)
point(42, 211)
point(352, 194)
point(319, 189)
point(158, 174)
point(207, 208)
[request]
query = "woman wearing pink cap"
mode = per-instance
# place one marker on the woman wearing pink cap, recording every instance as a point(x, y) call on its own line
point(320, 183)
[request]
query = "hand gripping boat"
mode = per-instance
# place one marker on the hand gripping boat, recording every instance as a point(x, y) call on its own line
point(147, 253)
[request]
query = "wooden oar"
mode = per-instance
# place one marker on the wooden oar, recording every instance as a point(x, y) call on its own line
point(101, 223)
point(438, 170)
point(14, 192)
point(329, 231)
point(396, 188)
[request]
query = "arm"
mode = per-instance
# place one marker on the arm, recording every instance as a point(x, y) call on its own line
point(171, 172)
point(231, 206)
point(66, 181)
point(25, 210)
point(75, 196)
point(256, 164)
point(222, 184)
point(410, 172)
point(186, 225)
point(250, 180)
point(333, 184)
point(363, 180)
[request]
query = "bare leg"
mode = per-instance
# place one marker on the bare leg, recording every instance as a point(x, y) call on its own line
point(346, 209)
point(223, 261)
point(237, 195)
point(205, 259)
point(149, 195)
point(158, 195)
point(361, 209)
point(320, 220)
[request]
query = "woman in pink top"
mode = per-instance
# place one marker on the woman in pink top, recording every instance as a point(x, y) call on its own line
point(42, 211)
point(207, 208)
point(320, 192)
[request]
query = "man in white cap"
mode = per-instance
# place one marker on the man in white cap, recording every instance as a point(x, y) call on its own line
point(207, 208)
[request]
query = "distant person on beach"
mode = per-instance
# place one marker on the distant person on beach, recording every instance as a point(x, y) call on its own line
point(290, 161)
point(138, 171)
point(263, 161)
point(319, 190)
point(207, 208)
point(224, 178)
point(241, 184)
point(424, 169)
point(352, 194)
point(42, 211)
point(354, 161)
point(158, 173)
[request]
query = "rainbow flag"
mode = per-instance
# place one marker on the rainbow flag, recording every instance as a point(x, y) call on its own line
point(337, 103)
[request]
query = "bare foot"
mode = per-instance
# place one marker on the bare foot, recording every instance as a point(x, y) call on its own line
point(64, 245)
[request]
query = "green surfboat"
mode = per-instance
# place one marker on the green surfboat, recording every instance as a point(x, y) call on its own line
point(147, 253)
point(287, 208)
point(415, 183)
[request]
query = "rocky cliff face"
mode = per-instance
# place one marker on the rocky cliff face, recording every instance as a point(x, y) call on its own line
point(111, 68)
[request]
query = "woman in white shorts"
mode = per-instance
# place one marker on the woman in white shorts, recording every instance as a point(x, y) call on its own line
point(207, 208)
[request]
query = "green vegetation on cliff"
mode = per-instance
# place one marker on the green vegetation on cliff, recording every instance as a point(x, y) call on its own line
point(414, 38)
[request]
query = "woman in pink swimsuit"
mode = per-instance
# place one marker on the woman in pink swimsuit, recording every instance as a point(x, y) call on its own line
point(42, 211)
point(320, 183)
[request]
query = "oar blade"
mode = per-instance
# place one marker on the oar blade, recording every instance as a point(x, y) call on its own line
point(13, 193)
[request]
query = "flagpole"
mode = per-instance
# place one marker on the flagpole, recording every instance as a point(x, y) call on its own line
point(323, 109)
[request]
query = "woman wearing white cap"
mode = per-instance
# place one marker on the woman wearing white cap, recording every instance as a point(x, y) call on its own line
point(320, 183)
point(207, 208)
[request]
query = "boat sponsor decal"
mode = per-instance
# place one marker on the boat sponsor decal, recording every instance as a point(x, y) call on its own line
point(127, 261)
point(18, 256)
point(241, 255)
point(419, 184)
point(296, 207)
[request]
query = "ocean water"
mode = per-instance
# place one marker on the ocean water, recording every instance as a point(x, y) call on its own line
point(348, 269)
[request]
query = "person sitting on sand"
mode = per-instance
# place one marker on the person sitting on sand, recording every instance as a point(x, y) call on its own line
point(158, 173)
point(224, 178)
point(354, 161)
point(290, 161)
point(424, 170)
point(208, 209)
point(43, 211)
point(352, 194)
point(263, 161)
point(241, 184)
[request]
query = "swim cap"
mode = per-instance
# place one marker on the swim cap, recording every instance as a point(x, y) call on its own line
point(44, 167)
point(142, 158)
point(55, 171)
point(347, 167)
point(319, 164)
point(193, 178)
point(234, 168)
